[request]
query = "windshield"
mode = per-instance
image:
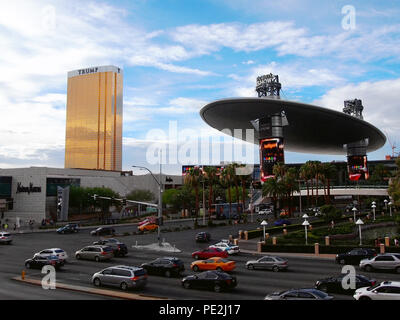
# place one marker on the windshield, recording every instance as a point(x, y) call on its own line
point(59, 251)
point(373, 287)
point(319, 294)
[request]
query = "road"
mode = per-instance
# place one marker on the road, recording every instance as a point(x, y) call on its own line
point(252, 284)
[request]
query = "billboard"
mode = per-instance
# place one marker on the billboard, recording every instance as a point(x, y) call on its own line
point(271, 153)
point(357, 168)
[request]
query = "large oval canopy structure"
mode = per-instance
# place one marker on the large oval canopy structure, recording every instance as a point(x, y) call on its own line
point(311, 129)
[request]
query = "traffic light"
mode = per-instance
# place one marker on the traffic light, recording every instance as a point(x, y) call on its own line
point(124, 201)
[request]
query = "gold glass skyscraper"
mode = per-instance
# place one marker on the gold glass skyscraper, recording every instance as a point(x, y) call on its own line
point(94, 119)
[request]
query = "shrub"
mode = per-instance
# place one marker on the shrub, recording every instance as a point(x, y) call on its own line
point(329, 213)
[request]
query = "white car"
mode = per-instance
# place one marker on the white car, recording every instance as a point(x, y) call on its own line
point(228, 247)
point(387, 290)
point(265, 211)
point(60, 253)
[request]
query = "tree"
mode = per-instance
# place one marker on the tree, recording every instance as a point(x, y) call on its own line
point(394, 185)
point(379, 174)
point(192, 180)
point(275, 189)
point(328, 171)
point(226, 181)
point(141, 195)
point(210, 174)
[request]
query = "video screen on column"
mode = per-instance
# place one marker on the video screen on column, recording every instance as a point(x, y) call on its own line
point(357, 168)
point(271, 153)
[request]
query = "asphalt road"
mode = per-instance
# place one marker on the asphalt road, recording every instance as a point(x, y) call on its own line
point(252, 284)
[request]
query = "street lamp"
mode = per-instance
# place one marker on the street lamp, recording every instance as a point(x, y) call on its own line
point(159, 198)
point(305, 216)
point(359, 223)
point(204, 197)
point(306, 224)
point(386, 202)
point(390, 207)
point(354, 213)
point(264, 223)
point(373, 208)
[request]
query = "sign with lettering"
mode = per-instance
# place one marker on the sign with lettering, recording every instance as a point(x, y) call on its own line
point(31, 188)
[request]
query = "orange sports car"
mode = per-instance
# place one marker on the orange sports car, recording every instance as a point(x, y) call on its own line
point(215, 263)
point(148, 227)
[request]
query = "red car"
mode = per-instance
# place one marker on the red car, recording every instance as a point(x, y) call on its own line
point(209, 253)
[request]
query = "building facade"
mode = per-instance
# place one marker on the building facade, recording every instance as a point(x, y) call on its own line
point(94, 119)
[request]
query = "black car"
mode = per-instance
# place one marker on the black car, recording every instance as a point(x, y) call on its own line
point(38, 262)
point(103, 231)
point(203, 237)
point(215, 280)
point(119, 248)
point(355, 256)
point(334, 284)
point(68, 228)
point(167, 266)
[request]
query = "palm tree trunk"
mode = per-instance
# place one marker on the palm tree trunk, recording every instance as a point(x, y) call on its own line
point(230, 202)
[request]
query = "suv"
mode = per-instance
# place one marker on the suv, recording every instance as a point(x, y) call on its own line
point(385, 261)
point(97, 253)
point(124, 277)
point(103, 231)
point(387, 290)
point(60, 253)
point(68, 228)
point(119, 248)
point(167, 266)
point(203, 237)
point(5, 237)
point(355, 256)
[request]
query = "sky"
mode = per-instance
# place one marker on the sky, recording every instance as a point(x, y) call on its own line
point(180, 55)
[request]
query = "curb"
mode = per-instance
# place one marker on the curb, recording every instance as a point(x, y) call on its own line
point(102, 292)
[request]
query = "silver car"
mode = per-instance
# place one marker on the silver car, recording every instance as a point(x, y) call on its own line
point(5, 237)
point(299, 294)
point(268, 262)
point(385, 261)
point(124, 277)
point(95, 252)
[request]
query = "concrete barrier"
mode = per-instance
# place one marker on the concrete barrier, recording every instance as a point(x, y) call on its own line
point(285, 231)
point(387, 241)
point(266, 236)
point(316, 249)
point(382, 248)
point(236, 242)
point(274, 241)
point(327, 241)
point(259, 246)
point(246, 235)
point(240, 234)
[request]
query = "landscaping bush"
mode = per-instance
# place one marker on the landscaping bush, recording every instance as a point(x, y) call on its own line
point(329, 213)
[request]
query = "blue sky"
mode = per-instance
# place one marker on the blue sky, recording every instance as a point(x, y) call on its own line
point(178, 56)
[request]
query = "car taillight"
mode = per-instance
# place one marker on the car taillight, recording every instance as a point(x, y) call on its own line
point(285, 263)
point(2, 237)
point(134, 278)
point(373, 283)
point(104, 253)
point(175, 265)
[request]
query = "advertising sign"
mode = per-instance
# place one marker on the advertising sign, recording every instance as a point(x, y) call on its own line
point(357, 168)
point(271, 153)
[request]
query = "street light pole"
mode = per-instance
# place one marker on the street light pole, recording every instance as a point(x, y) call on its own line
point(354, 213)
point(305, 224)
point(373, 208)
point(204, 198)
point(360, 223)
point(264, 223)
point(159, 204)
point(390, 207)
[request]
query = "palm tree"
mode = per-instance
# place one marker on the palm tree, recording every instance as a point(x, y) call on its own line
point(328, 172)
point(305, 174)
point(226, 181)
point(275, 189)
point(210, 174)
point(192, 180)
point(244, 179)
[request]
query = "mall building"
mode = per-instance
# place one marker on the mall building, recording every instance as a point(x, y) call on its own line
point(31, 193)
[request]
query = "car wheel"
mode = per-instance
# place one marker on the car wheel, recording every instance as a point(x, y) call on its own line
point(368, 268)
point(78, 257)
point(124, 286)
point(96, 258)
point(186, 285)
point(275, 269)
point(28, 265)
point(167, 273)
point(250, 267)
point(63, 232)
point(342, 261)
point(220, 269)
point(196, 257)
point(97, 282)
point(217, 288)
point(364, 299)
point(196, 268)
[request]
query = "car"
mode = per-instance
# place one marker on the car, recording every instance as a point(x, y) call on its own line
point(265, 211)
point(334, 284)
point(299, 294)
point(355, 256)
point(60, 253)
point(385, 261)
point(228, 247)
point(166, 266)
point(209, 253)
point(68, 228)
point(387, 290)
point(5, 238)
point(268, 262)
point(119, 248)
point(281, 222)
point(103, 231)
point(124, 277)
point(215, 280)
point(95, 252)
point(215, 263)
point(147, 227)
point(203, 237)
point(38, 262)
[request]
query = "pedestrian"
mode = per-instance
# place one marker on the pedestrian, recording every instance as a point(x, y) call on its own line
point(15, 226)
